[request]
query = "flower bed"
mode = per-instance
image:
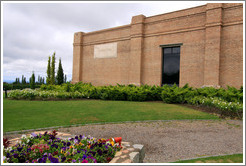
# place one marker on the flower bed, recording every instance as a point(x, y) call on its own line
point(47, 148)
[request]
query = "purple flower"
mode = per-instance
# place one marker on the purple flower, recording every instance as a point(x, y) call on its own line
point(93, 153)
point(78, 151)
point(19, 148)
point(63, 159)
point(76, 141)
point(106, 147)
point(93, 159)
point(12, 151)
point(76, 137)
point(45, 154)
point(99, 151)
point(7, 155)
point(28, 150)
point(80, 136)
point(53, 159)
point(34, 135)
point(84, 156)
point(15, 155)
point(40, 160)
point(74, 161)
point(68, 143)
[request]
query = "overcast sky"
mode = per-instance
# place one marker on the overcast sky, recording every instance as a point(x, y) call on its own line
point(33, 31)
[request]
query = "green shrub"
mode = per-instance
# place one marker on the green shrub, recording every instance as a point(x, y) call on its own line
point(231, 109)
point(228, 101)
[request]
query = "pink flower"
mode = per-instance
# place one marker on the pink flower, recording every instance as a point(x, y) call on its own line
point(84, 161)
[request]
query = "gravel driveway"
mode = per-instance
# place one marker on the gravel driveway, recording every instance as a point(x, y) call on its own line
point(173, 140)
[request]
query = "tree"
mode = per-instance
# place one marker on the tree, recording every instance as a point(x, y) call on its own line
point(32, 83)
point(65, 79)
point(22, 79)
point(60, 74)
point(48, 78)
point(52, 72)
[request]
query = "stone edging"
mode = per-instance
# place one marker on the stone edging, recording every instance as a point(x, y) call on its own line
point(130, 153)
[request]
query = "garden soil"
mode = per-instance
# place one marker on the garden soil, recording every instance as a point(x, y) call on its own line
point(171, 141)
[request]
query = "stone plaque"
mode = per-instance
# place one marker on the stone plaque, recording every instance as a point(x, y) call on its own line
point(108, 50)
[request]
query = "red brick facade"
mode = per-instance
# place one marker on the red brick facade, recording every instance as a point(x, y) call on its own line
point(211, 53)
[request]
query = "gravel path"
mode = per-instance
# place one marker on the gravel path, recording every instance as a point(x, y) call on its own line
point(172, 140)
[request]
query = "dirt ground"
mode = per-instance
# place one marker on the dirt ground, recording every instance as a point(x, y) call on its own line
point(171, 140)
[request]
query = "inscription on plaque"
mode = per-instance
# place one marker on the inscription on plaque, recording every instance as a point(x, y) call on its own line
point(108, 50)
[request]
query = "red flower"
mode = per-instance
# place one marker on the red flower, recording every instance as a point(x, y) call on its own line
point(55, 153)
point(109, 159)
point(6, 142)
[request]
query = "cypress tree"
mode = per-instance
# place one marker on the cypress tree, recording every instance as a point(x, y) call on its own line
point(32, 84)
point(52, 72)
point(65, 79)
point(48, 78)
point(22, 79)
point(60, 74)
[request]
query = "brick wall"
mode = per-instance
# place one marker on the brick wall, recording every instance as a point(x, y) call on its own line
point(211, 51)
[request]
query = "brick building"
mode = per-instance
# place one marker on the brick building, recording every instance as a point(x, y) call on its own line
point(202, 46)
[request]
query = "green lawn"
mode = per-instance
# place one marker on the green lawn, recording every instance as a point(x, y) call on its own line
point(235, 158)
point(22, 115)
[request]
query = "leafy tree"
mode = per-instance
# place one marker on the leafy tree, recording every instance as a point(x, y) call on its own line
point(32, 83)
point(60, 74)
point(52, 72)
point(48, 78)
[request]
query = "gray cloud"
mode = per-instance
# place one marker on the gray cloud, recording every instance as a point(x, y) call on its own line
point(33, 31)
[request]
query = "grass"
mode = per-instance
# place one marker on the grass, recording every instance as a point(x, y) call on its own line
point(24, 114)
point(235, 158)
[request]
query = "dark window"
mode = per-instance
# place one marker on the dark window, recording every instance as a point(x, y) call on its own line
point(171, 62)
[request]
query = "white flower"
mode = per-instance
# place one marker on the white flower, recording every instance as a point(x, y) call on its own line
point(23, 136)
point(9, 148)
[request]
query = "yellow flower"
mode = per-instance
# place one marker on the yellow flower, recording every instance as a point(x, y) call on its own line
point(71, 147)
point(62, 151)
point(112, 143)
point(81, 144)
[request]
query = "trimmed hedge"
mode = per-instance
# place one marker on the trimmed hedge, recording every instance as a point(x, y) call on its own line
point(13, 86)
point(208, 96)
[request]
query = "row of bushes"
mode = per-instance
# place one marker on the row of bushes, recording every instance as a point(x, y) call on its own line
point(12, 86)
point(228, 101)
point(170, 94)
point(225, 109)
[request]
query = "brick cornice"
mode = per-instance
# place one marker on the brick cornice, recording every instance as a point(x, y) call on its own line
point(109, 29)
